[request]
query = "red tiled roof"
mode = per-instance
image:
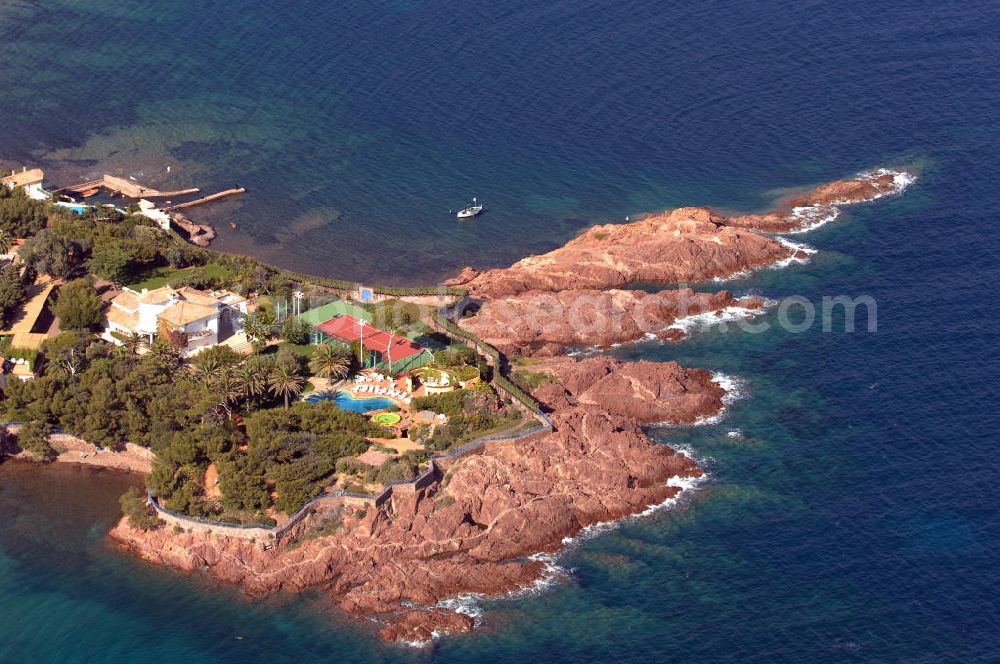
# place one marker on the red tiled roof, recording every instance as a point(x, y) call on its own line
point(348, 328)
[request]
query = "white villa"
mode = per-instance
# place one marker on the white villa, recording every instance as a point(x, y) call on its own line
point(206, 317)
point(30, 180)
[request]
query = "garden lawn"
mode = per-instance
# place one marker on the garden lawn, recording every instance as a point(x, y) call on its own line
point(162, 276)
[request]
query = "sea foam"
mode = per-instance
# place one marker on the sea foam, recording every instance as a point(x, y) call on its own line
point(736, 389)
point(708, 319)
point(471, 604)
point(811, 217)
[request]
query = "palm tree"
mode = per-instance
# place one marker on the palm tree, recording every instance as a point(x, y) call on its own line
point(284, 382)
point(259, 326)
point(228, 386)
point(252, 375)
point(6, 242)
point(130, 346)
point(164, 354)
point(329, 361)
point(207, 371)
point(133, 343)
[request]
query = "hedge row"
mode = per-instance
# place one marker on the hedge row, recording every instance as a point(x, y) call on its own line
point(513, 388)
point(394, 291)
point(335, 284)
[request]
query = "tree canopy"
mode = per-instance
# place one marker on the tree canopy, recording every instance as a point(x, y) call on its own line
point(53, 254)
point(78, 306)
point(11, 293)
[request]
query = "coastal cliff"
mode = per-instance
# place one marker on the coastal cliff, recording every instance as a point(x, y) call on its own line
point(682, 245)
point(544, 323)
point(474, 529)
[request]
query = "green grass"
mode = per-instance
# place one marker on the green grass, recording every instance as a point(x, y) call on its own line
point(533, 379)
point(163, 276)
point(305, 351)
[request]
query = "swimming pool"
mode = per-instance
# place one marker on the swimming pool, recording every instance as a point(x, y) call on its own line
point(347, 402)
point(78, 208)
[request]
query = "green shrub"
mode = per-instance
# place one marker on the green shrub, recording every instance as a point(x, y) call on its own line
point(140, 514)
point(34, 439)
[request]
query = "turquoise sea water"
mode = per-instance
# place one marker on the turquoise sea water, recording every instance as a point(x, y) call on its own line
point(855, 519)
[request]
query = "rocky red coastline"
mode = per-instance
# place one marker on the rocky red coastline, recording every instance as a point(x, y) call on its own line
point(542, 323)
point(678, 246)
point(685, 245)
point(798, 212)
point(474, 529)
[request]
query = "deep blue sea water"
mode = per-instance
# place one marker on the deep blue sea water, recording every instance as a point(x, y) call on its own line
point(856, 519)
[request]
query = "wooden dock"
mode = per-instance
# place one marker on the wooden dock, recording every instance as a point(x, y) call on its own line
point(206, 199)
point(126, 188)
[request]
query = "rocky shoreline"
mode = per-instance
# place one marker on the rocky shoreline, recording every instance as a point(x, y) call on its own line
point(474, 529)
point(70, 449)
point(477, 526)
point(542, 323)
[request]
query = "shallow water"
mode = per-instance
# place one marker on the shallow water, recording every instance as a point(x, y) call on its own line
point(854, 519)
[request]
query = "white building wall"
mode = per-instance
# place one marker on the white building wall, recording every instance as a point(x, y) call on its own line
point(147, 317)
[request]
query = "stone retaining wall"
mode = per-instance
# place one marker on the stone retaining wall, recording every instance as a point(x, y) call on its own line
point(254, 534)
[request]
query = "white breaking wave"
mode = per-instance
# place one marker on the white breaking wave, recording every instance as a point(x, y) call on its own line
point(736, 389)
point(900, 181)
point(708, 319)
point(586, 351)
point(466, 604)
point(796, 247)
point(742, 274)
point(811, 217)
point(777, 265)
point(471, 604)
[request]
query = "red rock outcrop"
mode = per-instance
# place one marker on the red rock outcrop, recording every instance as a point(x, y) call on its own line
point(646, 392)
point(683, 245)
point(544, 323)
point(820, 204)
point(473, 530)
point(859, 189)
point(422, 626)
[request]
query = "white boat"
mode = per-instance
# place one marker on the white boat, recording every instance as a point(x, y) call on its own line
point(471, 210)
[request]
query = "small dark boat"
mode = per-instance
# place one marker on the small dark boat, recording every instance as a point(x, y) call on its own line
point(90, 192)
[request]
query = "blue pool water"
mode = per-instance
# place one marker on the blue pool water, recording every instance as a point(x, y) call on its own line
point(77, 208)
point(857, 519)
point(355, 404)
